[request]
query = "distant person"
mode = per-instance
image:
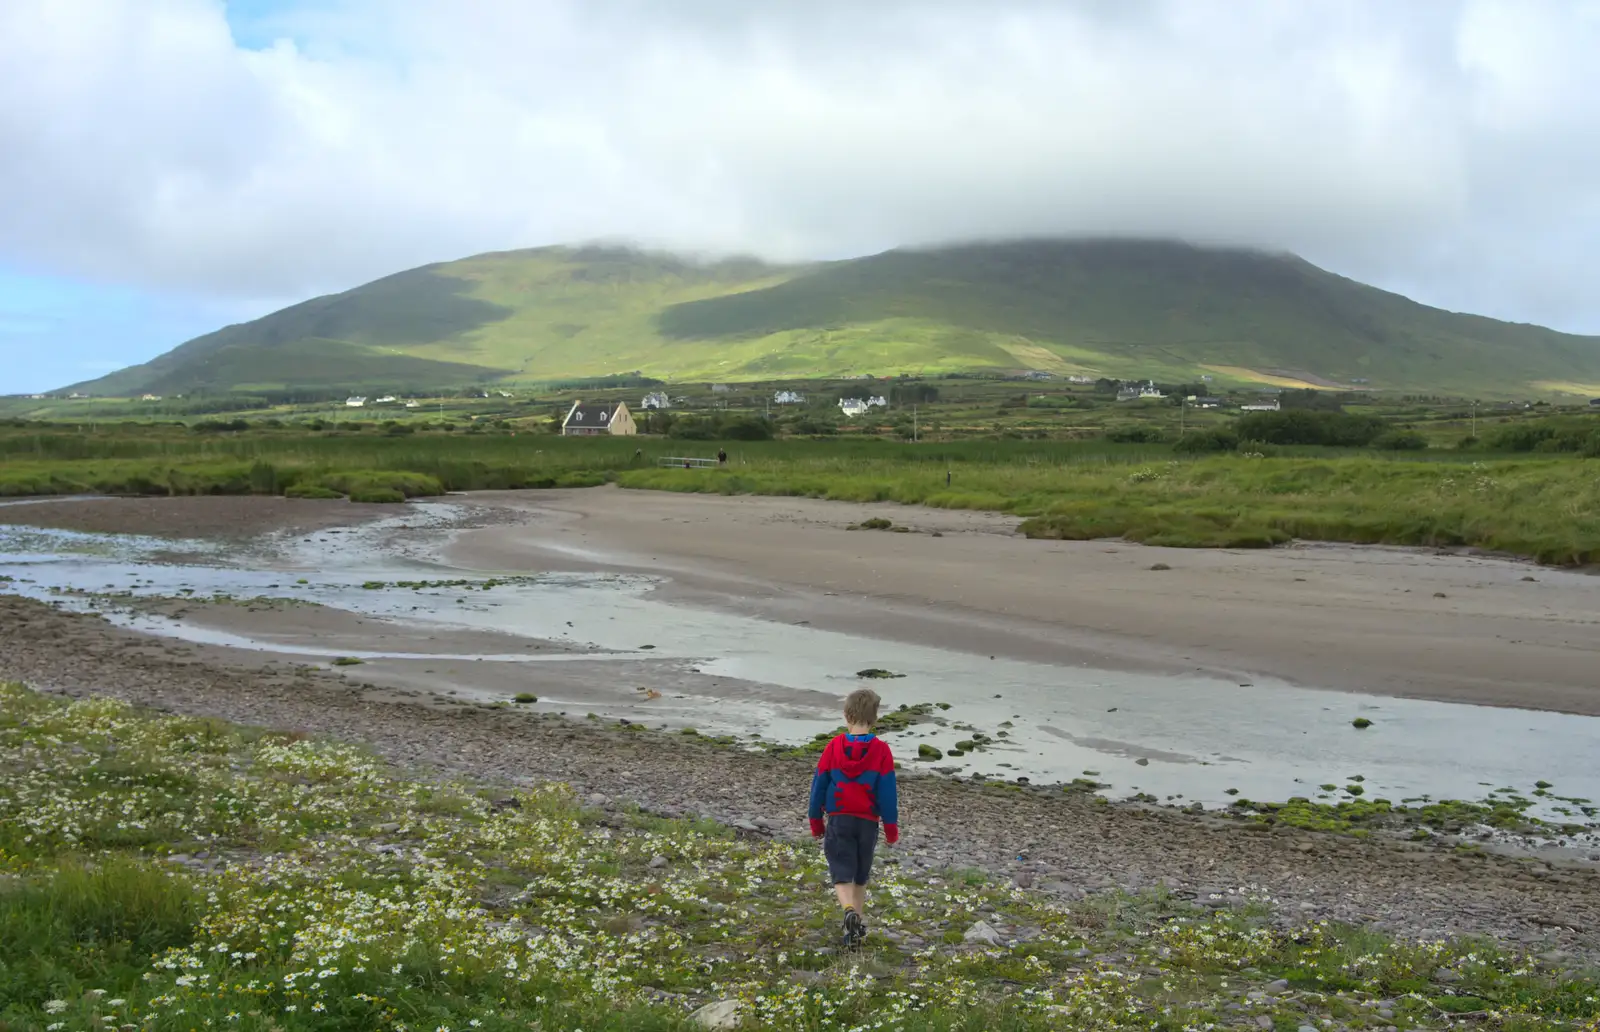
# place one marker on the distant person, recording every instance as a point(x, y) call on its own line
point(854, 787)
point(722, 457)
point(946, 478)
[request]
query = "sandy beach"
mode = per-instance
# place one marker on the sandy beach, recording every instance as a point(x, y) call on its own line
point(1384, 621)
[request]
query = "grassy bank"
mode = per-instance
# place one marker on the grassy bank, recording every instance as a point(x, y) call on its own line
point(1544, 507)
point(1548, 510)
point(167, 873)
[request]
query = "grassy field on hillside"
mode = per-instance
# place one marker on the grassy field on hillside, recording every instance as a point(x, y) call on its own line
point(170, 874)
point(1118, 308)
point(1545, 507)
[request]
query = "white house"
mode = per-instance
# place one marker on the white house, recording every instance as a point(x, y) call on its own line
point(788, 398)
point(594, 419)
point(355, 401)
point(1075, 378)
point(720, 388)
point(1148, 389)
point(857, 406)
point(387, 399)
point(1262, 406)
point(149, 397)
point(655, 400)
point(413, 403)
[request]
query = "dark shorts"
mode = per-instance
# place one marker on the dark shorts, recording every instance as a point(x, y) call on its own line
point(848, 845)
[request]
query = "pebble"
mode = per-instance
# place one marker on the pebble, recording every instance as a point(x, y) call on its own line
point(722, 1014)
point(657, 862)
point(982, 932)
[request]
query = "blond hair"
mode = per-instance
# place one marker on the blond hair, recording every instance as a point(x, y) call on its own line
point(861, 708)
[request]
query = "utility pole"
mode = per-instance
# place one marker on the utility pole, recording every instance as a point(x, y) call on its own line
point(1474, 417)
point(913, 424)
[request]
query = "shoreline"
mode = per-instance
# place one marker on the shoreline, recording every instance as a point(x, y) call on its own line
point(1389, 622)
point(1067, 844)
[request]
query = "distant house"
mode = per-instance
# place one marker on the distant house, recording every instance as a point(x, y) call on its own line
point(1039, 374)
point(1075, 378)
point(655, 400)
point(1361, 379)
point(1148, 389)
point(720, 388)
point(788, 398)
point(355, 401)
point(1199, 402)
point(412, 403)
point(1594, 402)
point(860, 406)
point(149, 397)
point(598, 418)
point(1263, 405)
point(76, 394)
point(387, 399)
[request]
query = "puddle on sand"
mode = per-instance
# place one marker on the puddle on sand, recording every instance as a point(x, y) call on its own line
point(1182, 739)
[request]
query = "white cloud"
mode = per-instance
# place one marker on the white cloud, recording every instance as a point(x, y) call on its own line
point(1449, 148)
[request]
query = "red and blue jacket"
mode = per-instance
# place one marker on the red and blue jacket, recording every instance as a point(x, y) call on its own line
point(855, 776)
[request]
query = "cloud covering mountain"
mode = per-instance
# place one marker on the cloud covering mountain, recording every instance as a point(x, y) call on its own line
point(258, 153)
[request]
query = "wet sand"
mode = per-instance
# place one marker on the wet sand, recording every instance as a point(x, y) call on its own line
point(224, 518)
point(1385, 621)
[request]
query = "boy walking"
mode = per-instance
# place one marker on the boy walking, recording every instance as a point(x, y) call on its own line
point(854, 786)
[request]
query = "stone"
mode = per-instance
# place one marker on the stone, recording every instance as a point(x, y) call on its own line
point(1280, 986)
point(598, 799)
point(1306, 1028)
point(1262, 1021)
point(657, 862)
point(744, 825)
point(722, 1014)
point(982, 932)
point(1446, 976)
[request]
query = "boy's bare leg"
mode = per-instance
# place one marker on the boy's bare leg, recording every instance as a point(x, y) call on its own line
point(858, 899)
point(846, 893)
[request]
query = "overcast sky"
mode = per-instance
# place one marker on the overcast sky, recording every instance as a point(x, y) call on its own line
point(170, 165)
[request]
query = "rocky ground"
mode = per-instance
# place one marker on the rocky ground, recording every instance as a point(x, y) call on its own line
point(1059, 842)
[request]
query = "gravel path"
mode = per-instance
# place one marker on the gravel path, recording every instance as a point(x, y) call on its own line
point(1051, 840)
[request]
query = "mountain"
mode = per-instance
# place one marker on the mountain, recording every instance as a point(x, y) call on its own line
point(1119, 308)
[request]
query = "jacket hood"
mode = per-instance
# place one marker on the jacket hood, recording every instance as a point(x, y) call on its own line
point(853, 753)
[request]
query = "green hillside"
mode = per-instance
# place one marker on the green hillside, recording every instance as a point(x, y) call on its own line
point(1126, 309)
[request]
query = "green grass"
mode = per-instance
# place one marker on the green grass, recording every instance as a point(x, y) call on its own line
point(302, 886)
point(1542, 507)
point(1133, 309)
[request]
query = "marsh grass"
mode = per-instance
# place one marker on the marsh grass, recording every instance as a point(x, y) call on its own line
point(1541, 507)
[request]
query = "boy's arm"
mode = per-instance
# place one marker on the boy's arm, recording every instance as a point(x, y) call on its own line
point(889, 799)
point(819, 794)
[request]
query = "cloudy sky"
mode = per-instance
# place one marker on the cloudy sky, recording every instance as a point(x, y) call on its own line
point(167, 166)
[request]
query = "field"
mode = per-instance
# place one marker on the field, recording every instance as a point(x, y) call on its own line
point(172, 873)
point(1070, 458)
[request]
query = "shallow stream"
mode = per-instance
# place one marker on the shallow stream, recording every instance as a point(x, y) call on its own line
point(1180, 739)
